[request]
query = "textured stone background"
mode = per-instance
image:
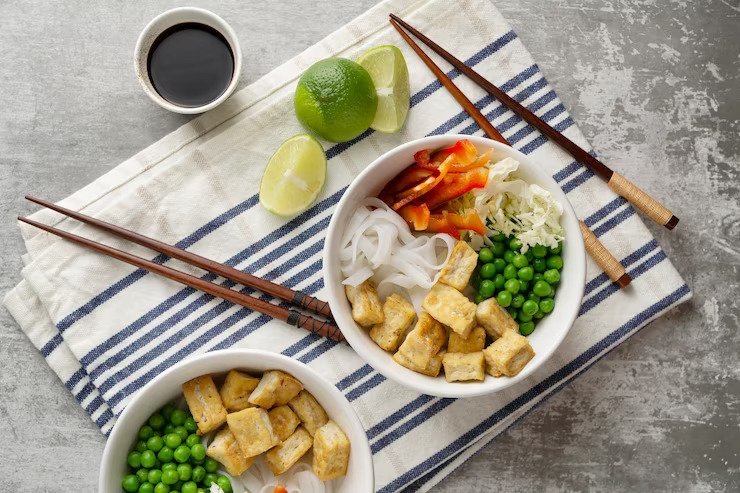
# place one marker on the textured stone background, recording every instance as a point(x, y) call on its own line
point(653, 83)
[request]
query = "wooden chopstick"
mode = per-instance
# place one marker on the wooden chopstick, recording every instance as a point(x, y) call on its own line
point(619, 184)
point(297, 298)
point(595, 248)
point(298, 319)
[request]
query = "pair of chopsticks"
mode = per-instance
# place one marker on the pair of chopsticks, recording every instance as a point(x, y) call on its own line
point(298, 299)
point(619, 184)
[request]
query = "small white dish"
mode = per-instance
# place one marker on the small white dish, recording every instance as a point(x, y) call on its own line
point(172, 18)
point(167, 386)
point(550, 331)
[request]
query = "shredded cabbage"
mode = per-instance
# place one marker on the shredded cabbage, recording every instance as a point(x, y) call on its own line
point(514, 207)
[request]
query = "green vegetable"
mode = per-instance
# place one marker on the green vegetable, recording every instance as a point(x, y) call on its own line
point(170, 466)
point(211, 466)
point(539, 314)
point(185, 471)
point(141, 446)
point(509, 256)
point(146, 488)
point(529, 307)
point(499, 264)
point(166, 410)
point(499, 281)
point(539, 264)
point(526, 328)
point(148, 459)
point(479, 299)
point(557, 249)
point(504, 298)
point(525, 273)
point(539, 251)
point(485, 255)
point(134, 459)
point(190, 424)
point(510, 272)
point(487, 288)
point(189, 487)
point(515, 244)
point(547, 305)
point(498, 249)
point(512, 286)
point(499, 237)
point(170, 477)
point(520, 261)
point(181, 453)
point(199, 472)
point(533, 297)
point(145, 432)
point(523, 286)
point(156, 421)
point(130, 483)
point(541, 288)
point(517, 301)
point(178, 417)
point(155, 476)
point(210, 479)
point(224, 483)
point(192, 440)
point(155, 443)
point(488, 271)
point(142, 474)
point(551, 276)
point(182, 432)
point(555, 262)
point(168, 428)
point(172, 440)
point(523, 317)
point(161, 488)
point(513, 312)
point(165, 454)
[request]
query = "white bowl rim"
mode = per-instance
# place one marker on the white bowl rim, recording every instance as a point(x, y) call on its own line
point(437, 386)
point(360, 451)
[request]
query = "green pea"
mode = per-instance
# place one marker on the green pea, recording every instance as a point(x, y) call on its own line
point(529, 255)
point(210, 479)
point(530, 307)
point(185, 471)
point(190, 424)
point(539, 264)
point(525, 273)
point(475, 280)
point(551, 276)
point(523, 317)
point(504, 298)
point(224, 483)
point(170, 477)
point(170, 466)
point(146, 488)
point(211, 465)
point(168, 428)
point(488, 271)
point(526, 328)
point(539, 251)
point(539, 314)
point(556, 250)
point(498, 249)
point(178, 417)
point(509, 256)
point(161, 488)
point(192, 440)
point(478, 299)
point(485, 255)
point(172, 440)
point(541, 288)
point(145, 432)
point(166, 410)
point(499, 281)
point(131, 483)
point(499, 237)
point(189, 487)
point(533, 297)
point(513, 312)
point(181, 453)
point(517, 301)
point(155, 476)
point(515, 244)
point(537, 276)
point(510, 272)
point(157, 421)
point(199, 472)
point(165, 454)
point(134, 459)
point(140, 446)
point(182, 432)
point(148, 459)
point(512, 286)
point(487, 288)
point(499, 264)
point(555, 262)
point(547, 305)
point(520, 261)
point(202, 490)
point(523, 286)
point(143, 475)
point(155, 443)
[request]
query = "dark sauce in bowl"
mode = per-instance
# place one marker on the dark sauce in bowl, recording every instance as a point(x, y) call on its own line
point(190, 64)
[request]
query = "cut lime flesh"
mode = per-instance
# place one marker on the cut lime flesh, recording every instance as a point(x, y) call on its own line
point(294, 176)
point(387, 67)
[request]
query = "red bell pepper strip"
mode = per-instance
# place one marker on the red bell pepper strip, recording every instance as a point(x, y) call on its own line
point(464, 153)
point(417, 191)
point(422, 157)
point(455, 185)
point(470, 221)
point(416, 215)
point(411, 176)
point(440, 223)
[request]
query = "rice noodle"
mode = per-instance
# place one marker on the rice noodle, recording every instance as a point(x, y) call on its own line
point(379, 244)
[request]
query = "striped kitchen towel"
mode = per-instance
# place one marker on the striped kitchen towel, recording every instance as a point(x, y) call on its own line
point(107, 328)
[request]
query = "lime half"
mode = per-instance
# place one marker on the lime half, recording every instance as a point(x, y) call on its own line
point(387, 67)
point(294, 176)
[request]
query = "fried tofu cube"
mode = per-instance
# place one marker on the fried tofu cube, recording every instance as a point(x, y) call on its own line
point(282, 457)
point(275, 389)
point(236, 389)
point(284, 421)
point(366, 307)
point(204, 403)
point(431, 369)
point(309, 410)
point(459, 267)
point(461, 367)
point(450, 307)
point(508, 354)
point(398, 315)
point(225, 449)
point(330, 452)
point(475, 342)
point(423, 342)
point(253, 430)
point(494, 318)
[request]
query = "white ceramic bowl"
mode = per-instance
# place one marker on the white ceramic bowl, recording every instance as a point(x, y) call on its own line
point(168, 19)
point(167, 386)
point(550, 331)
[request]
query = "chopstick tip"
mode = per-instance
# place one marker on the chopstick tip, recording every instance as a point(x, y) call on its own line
point(624, 280)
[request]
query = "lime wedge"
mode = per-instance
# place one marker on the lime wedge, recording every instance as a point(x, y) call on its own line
point(387, 67)
point(294, 176)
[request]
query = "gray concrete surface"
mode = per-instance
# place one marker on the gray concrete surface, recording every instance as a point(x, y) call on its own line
point(654, 84)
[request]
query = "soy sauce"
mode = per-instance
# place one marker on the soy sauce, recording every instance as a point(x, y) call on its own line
point(190, 64)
